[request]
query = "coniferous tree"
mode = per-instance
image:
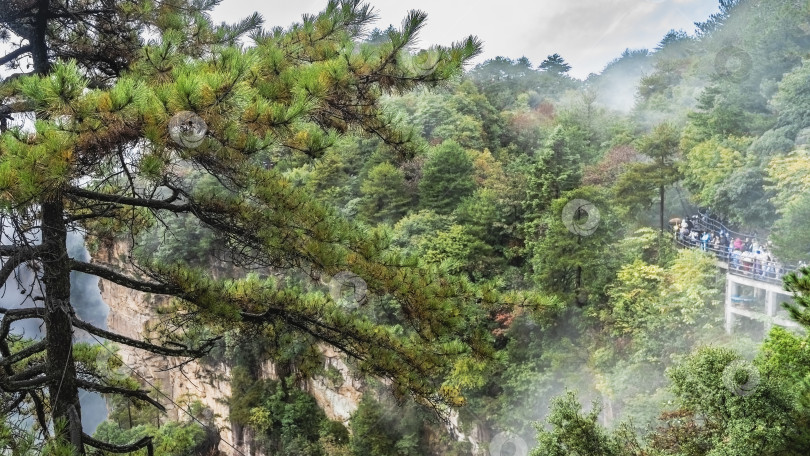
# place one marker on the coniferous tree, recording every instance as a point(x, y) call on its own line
point(555, 64)
point(641, 180)
point(108, 159)
point(385, 196)
point(447, 177)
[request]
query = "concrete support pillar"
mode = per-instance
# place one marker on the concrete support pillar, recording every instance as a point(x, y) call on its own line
point(731, 290)
point(770, 309)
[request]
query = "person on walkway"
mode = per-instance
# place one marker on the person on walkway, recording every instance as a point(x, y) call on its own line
point(717, 246)
point(738, 244)
point(729, 249)
point(735, 259)
point(747, 260)
point(758, 262)
point(704, 241)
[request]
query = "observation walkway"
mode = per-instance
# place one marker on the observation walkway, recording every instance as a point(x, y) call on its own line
point(753, 289)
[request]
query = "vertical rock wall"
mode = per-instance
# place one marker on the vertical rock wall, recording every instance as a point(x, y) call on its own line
point(131, 312)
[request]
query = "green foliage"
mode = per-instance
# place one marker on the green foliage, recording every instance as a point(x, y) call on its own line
point(288, 421)
point(749, 424)
point(558, 169)
point(447, 177)
point(554, 64)
point(792, 100)
point(708, 165)
point(172, 438)
point(573, 432)
point(419, 227)
point(385, 196)
point(103, 159)
point(459, 251)
point(653, 306)
point(786, 356)
point(789, 179)
point(574, 266)
point(168, 242)
point(383, 427)
point(637, 187)
point(712, 418)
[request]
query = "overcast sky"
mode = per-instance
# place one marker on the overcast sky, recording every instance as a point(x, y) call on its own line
point(587, 33)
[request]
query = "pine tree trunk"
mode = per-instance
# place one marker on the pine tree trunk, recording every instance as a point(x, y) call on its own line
point(62, 387)
point(661, 195)
point(39, 47)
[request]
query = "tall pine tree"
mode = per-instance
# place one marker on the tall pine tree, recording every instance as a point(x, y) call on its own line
point(107, 157)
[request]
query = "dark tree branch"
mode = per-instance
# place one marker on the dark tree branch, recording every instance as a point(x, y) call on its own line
point(39, 406)
point(15, 315)
point(25, 385)
point(14, 404)
point(8, 250)
point(124, 280)
point(268, 315)
point(18, 257)
point(24, 353)
point(108, 211)
point(132, 447)
point(157, 349)
point(29, 373)
point(15, 54)
point(142, 395)
point(128, 200)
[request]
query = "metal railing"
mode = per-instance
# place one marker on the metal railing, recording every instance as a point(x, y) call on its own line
point(738, 262)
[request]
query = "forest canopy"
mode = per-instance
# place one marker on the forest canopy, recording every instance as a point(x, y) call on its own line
point(487, 247)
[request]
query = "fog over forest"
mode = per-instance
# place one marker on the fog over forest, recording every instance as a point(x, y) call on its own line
point(334, 237)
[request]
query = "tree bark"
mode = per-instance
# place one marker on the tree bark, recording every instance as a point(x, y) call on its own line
point(661, 196)
point(62, 387)
point(39, 45)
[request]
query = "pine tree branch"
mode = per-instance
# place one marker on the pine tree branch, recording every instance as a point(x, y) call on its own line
point(129, 201)
point(145, 442)
point(15, 54)
point(39, 407)
point(27, 374)
point(14, 404)
point(24, 353)
point(8, 250)
point(124, 280)
point(15, 315)
point(15, 257)
point(142, 395)
point(156, 349)
point(24, 385)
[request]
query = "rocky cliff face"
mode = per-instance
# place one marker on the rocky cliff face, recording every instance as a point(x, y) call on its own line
point(132, 312)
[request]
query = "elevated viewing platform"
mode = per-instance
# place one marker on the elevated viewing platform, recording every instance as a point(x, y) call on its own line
point(753, 292)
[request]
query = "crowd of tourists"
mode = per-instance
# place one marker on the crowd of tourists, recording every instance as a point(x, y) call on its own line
point(745, 254)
